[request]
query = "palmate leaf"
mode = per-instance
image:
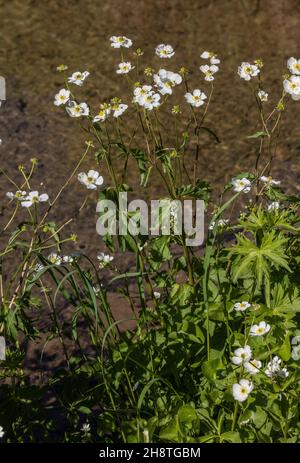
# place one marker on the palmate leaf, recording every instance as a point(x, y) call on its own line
point(257, 260)
point(284, 300)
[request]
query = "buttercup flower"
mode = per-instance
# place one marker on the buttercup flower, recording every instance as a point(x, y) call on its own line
point(209, 71)
point(241, 306)
point(241, 184)
point(293, 65)
point(104, 259)
point(34, 197)
point(262, 95)
point(120, 41)
point(274, 206)
point(292, 86)
point(118, 108)
point(78, 78)
point(124, 67)
point(241, 355)
point(105, 110)
point(211, 56)
point(38, 268)
point(274, 369)
point(253, 366)
point(1, 432)
point(269, 181)
point(141, 91)
point(91, 180)
point(18, 195)
point(61, 97)
point(166, 80)
point(77, 109)
point(260, 329)
point(54, 258)
point(246, 71)
point(241, 390)
point(196, 98)
point(164, 51)
point(149, 100)
point(220, 223)
point(68, 259)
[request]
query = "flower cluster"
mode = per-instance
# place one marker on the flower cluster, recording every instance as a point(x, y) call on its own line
point(28, 199)
point(146, 97)
point(291, 84)
point(274, 369)
point(166, 80)
point(115, 108)
point(209, 69)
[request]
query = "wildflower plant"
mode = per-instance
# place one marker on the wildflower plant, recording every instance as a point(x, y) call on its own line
point(214, 352)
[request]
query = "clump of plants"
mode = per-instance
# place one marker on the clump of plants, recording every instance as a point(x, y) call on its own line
point(214, 355)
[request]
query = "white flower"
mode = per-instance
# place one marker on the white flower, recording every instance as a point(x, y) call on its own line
point(105, 110)
point(86, 428)
point(294, 65)
point(149, 101)
point(104, 259)
point(18, 195)
point(241, 184)
point(1, 432)
point(292, 86)
point(241, 355)
point(209, 71)
point(220, 223)
point(295, 340)
point(118, 109)
point(38, 267)
point(164, 51)
point(78, 78)
point(68, 259)
point(196, 98)
point(241, 306)
point(269, 181)
point(91, 180)
point(156, 294)
point(262, 95)
point(247, 71)
point(77, 109)
point(166, 80)
point(61, 97)
point(124, 67)
point(54, 258)
point(241, 390)
point(33, 198)
point(210, 55)
point(253, 366)
point(274, 206)
point(120, 41)
point(274, 369)
point(141, 91)
point(260, 329)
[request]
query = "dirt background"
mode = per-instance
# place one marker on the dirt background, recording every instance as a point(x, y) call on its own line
point(38, 35)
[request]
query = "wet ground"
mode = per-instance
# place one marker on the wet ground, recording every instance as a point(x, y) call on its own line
point(38, 35)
